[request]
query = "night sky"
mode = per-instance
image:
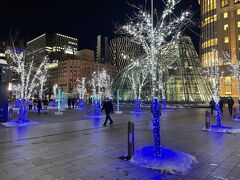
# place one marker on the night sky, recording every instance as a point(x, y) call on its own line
point(83, 19)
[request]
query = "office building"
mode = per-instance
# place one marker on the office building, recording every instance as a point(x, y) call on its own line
point(103, 50)
point(85, 55)
point(123, 51)
point(220, 30)
point(186, 81)
point(56, 46)
point(71, 70)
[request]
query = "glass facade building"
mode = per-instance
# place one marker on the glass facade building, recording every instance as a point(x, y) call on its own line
point(186, 80)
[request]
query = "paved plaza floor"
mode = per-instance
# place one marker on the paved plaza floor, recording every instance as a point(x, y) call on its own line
point(74, 147)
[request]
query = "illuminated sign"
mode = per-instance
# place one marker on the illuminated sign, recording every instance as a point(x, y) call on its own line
point(68, 50)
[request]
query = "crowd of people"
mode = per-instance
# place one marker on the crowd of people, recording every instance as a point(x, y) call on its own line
point(37, 104)
point(230, 103)
point(71, 101)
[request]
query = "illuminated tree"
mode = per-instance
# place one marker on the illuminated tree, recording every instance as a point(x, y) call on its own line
point(81, 89)
point(153, 35)
point(101, 84)
point(42, 80)
point(138, 79)
point(105, 83)
point(235, 71)
point(29, 78)
point(214, 75)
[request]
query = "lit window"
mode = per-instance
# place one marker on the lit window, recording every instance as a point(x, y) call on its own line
point(224, 3)
point(209, 43)
point(209, 20)
point(228, 85)
point(226, 39)
point(236, 1)
point(238, 24)
point(238, 11)
point(225, 27)
point(209, 5)
point(239, 37)
point(225, 15)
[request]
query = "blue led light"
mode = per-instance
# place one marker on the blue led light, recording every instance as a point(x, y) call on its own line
point(81, 104)
point(156, 127)
point(219, 115)
point(22, 114)
point(137, 105)
point(54, 103)
point(164, 104)
point(97, 107)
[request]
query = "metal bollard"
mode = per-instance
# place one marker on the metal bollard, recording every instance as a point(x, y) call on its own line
point(207, 120)
point(10, 112)
point(130, 139)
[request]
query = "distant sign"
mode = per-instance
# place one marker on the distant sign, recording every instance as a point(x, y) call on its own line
point(68, 50)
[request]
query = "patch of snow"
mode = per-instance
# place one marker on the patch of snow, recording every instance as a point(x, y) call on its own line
point(170, 161)
point(237, 119)
point(223, 129)
point(18, 124)
point(213, 164)
point(95, 116)
point(167, 110)
point(141, 112)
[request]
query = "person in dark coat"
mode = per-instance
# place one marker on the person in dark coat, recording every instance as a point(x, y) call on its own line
point(30, 104)
point(73, 103)
point(69, 103)
point(35, 103)
point(45, 104)
point(108, 107)
point(230, 104)
point(39, 106)
point(212, 105)
point(238, 104)
point(221, 103)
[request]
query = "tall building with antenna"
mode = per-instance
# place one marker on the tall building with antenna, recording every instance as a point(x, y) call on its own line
point(220, 31)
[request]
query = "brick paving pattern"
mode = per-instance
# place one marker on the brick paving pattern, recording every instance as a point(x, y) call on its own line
point(74, 147)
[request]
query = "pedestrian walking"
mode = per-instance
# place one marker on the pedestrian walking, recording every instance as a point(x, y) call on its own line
point(221, 103)
point(69, 103)
point(108, 107)
point(39, 106)
point(45, 104)
point(35, 104)
point(30, 104)
point(238, 104)
point(230, 105)
point(73, 103)
point(212, 105)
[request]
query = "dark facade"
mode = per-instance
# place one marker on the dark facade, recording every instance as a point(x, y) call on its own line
point(56, 46)
point(4, 81)
point(103, 50)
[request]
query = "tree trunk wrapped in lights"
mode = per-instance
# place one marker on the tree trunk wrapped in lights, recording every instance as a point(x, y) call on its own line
point(42, 80)
point(29, 79)
point(153, 35)
point(101, 85)
point(235, 71)
point(215, 77)
point(81, 89)
point(55, 88)
point(138, 79)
